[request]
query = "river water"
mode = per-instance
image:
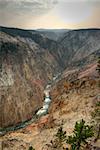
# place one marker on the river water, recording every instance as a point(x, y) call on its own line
point(47, 101)
point(41, 112)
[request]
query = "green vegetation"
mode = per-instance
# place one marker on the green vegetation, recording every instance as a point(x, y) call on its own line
point(60, 139)
point(81, 133)
point(78, 140)
point(31, 148)
point(61, 136)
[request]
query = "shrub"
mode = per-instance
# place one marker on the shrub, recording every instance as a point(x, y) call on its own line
point(81, 133)
point(61, 136)
point(31, 148)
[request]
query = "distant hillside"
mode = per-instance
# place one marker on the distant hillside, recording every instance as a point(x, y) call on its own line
point(53, 34)
point(79, 44)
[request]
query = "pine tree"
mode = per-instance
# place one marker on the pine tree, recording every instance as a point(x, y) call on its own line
point(81, 133)
point(31, 148)
point(59, 140)
point(61, 136)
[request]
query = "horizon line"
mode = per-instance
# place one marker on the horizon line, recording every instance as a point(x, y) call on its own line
point(12, 27)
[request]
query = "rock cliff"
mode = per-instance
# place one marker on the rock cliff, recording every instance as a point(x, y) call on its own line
point(25, 68)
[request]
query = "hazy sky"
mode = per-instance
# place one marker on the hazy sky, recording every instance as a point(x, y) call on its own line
point(32, 14)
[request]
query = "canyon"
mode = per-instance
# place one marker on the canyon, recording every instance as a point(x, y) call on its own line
point(29, 61)
point(72, 100)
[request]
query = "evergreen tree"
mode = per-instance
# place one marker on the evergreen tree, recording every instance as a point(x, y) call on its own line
point(61, 136)
point(59, 140)
point(31, 148)
point(81, 133)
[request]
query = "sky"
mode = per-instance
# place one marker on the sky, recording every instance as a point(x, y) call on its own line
point(50, 14)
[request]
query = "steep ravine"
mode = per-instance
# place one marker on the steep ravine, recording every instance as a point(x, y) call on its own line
point(24, 72)
point(28, 61)
point(73, 98)
point(42, 111)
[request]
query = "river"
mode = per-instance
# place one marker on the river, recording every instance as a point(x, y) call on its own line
point(41, 112)
point(47, 101)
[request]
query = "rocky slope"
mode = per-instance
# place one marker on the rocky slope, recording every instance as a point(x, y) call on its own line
point(28, 60)
point(53, 34)
point(25, 68)
point(73, 98)
point(77, 45)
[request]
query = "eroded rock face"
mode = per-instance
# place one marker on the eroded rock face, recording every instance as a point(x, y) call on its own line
point(29, 60)
point(25, 68)
point(76, 82)
point(77, 46)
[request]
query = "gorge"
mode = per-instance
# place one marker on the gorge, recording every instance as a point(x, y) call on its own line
point(42, 111)
point(29, 61)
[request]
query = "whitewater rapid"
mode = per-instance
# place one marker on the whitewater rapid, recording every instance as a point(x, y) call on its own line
point(47, 101)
